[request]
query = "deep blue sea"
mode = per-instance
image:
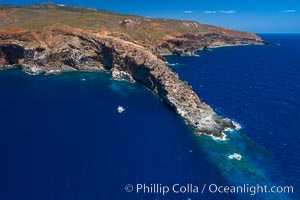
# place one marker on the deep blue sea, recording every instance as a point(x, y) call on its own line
point(62, 139)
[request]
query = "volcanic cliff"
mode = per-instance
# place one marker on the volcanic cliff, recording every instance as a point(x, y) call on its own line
point(59, 46)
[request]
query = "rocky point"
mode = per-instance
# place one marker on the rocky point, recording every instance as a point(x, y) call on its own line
point(58, 48)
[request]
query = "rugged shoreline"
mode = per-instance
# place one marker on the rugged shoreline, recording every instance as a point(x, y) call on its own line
point(194, 53)
point(69, 49)
point(129, 47)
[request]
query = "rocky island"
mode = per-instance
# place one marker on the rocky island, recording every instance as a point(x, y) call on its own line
point(50, 39)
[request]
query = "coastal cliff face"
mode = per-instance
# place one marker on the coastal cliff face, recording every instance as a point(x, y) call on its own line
point(39, 48)
point(188, 44)
point(62, 48)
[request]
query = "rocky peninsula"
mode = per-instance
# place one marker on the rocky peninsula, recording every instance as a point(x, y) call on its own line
point(54, 46)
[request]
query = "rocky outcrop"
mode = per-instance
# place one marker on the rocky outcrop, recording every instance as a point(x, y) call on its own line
point(62, 48)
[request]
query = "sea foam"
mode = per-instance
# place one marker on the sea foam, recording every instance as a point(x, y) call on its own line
point(235, 156)
point(223, 138)
point(237, 125)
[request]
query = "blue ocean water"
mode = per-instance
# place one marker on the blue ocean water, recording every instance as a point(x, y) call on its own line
point(61, 137)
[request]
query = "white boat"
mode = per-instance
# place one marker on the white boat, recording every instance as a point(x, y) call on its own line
point(120, 109)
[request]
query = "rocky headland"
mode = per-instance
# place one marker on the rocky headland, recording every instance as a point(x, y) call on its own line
point(116, 47)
